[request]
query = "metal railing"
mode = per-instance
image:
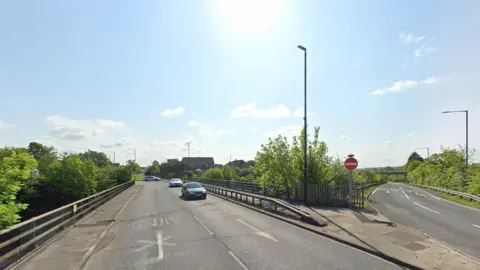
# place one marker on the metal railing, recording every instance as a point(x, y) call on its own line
point(318, 194)
point(463, 195)
point(21, 239)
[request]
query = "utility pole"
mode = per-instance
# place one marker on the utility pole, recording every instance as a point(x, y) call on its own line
point(113, 157)
point(135, 155)
point(230, 158)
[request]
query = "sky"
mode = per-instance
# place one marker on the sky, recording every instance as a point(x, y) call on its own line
point(149, 76)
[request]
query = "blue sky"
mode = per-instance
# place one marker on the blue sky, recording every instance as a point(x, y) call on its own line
point(150, 75)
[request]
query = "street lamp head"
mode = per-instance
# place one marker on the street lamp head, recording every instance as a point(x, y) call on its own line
point(446, 112)
point(302, 48)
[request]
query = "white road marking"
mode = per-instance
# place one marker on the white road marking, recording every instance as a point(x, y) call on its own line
point(160, 222)
point(237, 260)
point(160, 245)
point(204, 226)
point(406, 196)
point(154, 222)
point(257, 231)
point(424, 207)
point(376, 190)
point(476, 226)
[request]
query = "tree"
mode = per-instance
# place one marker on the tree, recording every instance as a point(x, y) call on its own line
point(99, 158)
point(14, 171)
point(45, 155)
point(133, 167)
point(174, 168)
point(214, 173)
point(72, 178)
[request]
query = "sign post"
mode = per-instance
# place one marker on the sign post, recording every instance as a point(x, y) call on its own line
point(350, 164)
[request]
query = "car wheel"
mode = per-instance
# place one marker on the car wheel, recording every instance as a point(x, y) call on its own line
point(205, 197)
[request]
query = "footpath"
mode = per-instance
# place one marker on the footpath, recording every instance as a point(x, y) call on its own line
point(69, 250)
point(378, 235)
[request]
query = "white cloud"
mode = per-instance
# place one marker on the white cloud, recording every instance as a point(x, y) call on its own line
point(170, 113)
point(287, 131)
point(344, 138)
point(410, 38)
point(71, 129)
point(402, 86)
point(250, 110)
point(430, 80)
point(424, 50)
point(387, 143)
point(399, 86)
point(4, 125)
point(300, 111)
point(411, 134)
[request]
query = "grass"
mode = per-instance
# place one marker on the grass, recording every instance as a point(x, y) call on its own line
point(137, 177)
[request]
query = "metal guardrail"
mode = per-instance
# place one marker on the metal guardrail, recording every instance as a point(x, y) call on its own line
point(22, 239)
point(470, 197)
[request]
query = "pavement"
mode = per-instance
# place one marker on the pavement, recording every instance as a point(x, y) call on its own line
point(150, 227)
point(451, 223)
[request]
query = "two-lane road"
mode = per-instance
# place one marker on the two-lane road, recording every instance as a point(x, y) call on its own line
point(160, 230)
point(449, 222)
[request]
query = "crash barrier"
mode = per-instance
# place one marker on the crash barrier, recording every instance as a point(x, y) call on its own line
point(20, 240)
point(463, 195)
point(266, 203)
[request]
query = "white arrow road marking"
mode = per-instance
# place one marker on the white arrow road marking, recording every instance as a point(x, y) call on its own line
point(424, 207)
point(388, 191)
point(257, 231)
point(160, 243)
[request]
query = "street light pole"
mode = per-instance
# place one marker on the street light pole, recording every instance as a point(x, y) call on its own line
point(304, 124)
point(466, 133)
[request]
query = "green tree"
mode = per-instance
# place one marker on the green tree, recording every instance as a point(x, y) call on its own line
point(73, 178)
point(172, 169)
point(99, 158)
point(14, 171)
point(214, 173)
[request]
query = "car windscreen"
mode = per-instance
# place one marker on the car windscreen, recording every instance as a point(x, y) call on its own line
point(194, 185)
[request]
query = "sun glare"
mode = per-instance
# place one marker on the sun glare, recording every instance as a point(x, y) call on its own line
point(250, 17)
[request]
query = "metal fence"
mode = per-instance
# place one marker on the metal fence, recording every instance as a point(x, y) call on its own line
point(21, 239)
point(318, 194)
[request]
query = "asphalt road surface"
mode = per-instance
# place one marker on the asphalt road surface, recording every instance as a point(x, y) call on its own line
point(446, 221)
point(159, 230)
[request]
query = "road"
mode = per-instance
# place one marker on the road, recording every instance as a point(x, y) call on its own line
point(446, 221)
point(159, 230)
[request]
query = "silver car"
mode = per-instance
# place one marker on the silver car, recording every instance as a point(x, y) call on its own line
point(175, 182)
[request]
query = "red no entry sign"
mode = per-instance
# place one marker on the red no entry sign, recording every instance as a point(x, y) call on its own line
point(351, 163)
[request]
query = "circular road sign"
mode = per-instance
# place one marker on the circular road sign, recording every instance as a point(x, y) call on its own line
point(351, 163)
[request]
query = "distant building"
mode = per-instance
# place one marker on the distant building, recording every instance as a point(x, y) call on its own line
point(203, 163)
point(169, 160)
